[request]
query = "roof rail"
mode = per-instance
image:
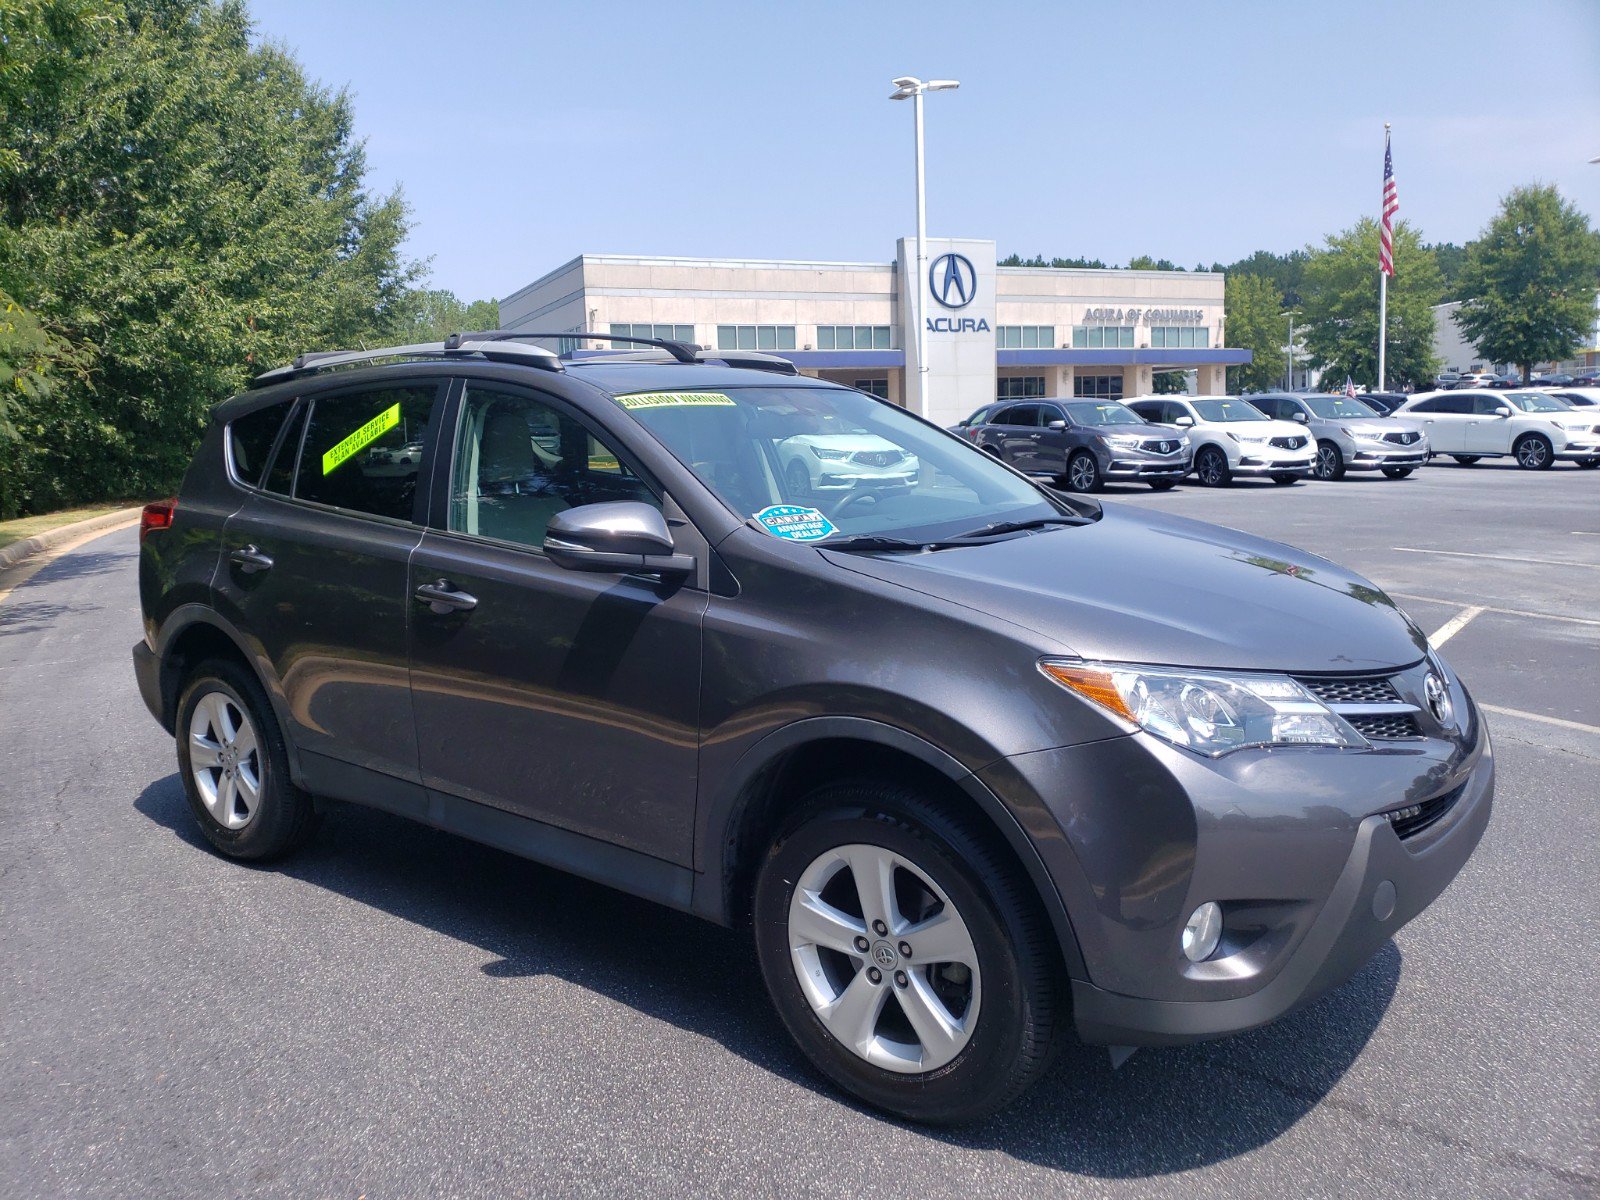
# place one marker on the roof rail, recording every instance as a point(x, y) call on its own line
point(732, 358)
point(324, 360)
point(681, 351)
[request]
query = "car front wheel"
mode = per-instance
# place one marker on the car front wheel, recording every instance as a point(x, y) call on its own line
point(1083, 473)
point(906, 954)
point(1397, 472)
point(1466, 460)
point(1330, 462)
point(1163, 485)
point(1534, 452)
point(1285, 480)
point(1211, 468)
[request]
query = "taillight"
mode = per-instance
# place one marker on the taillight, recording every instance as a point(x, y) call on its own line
point(157, 515)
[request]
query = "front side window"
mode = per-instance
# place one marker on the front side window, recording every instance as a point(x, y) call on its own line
point(1228, 410)
point(519, 461)
point(866, 466)
point(1332, 408)
point(363, 450)
point(250, 439)
point(1537, 402)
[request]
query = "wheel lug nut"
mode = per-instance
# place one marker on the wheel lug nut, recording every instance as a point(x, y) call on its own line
point(905, 949)
point(862, 944)
point(874, 974)
point(900, 979)
point(879, 928)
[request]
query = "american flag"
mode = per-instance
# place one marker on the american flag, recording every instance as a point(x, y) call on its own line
point(1349, 387)
point(1391, 205)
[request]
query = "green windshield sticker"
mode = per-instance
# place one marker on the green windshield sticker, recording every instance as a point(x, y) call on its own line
point(795, 524)
point(361, 439)
point(675, 400)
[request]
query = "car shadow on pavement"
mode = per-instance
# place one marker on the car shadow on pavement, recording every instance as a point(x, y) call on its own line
point(1164, 1111)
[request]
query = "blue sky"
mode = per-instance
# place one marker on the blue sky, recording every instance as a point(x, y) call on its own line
point(524, 134)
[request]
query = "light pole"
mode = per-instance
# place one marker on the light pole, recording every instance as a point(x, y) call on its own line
point(1288, 354)
point(908, 87)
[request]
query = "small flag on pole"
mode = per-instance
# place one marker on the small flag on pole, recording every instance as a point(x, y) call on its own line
point(1391, 205)
point(1349, 387)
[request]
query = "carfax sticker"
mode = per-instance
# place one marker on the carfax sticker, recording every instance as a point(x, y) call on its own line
point(361, 439)
point(795, 524)
point(675, 400)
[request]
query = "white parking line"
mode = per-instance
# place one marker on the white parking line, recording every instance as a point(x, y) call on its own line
point(1549, 562)
point(1510, 612)
point(1541, 718)
point(1454, 625)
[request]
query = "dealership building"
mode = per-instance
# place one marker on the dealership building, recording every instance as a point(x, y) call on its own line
point(990, 331)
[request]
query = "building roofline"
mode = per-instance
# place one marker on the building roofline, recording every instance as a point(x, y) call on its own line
point(1139, 274)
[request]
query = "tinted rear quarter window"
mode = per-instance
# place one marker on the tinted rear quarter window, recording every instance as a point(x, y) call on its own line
point(250, 439)
point(363, 450)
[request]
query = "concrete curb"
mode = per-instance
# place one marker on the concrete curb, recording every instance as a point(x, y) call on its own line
point(39, 543)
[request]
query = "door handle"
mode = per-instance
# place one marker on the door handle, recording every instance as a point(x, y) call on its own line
point(441, 596)
point(250, 560)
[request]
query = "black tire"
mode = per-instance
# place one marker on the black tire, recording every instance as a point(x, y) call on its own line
point(1398, 472)
point(284, 816)
point(1466, 460)
point(1211, 468)
point(1163, 485)
point(1019, 969)
point(1534, 452)
point(798, 479)
point(1285, 480)
point(1082, 474)
point(1329, 462)
point(1589, 464)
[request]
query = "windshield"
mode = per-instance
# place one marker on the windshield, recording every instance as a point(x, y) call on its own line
point(1102, 413)
point(1332, 407)
point(1537, 402)
point(1227, 410)
point(768, 454)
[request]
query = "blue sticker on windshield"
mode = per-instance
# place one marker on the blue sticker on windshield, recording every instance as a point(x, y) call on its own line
point(795, 524)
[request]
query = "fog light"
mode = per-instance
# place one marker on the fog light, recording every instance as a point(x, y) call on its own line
point(1203, 932)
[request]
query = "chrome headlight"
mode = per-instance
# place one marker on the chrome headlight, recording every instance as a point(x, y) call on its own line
point(1209, 712)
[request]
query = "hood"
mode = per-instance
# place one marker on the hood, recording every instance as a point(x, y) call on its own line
point(1141, 429)
point(1266, 430)
point(1142, 586)
point(1375, 426)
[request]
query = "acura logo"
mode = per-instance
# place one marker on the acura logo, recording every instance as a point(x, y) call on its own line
point(1438, 698)
point(953, 280)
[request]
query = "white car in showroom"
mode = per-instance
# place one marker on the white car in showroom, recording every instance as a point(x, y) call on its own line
point(837, 458)
point(1232, 437)
point(1535, 428)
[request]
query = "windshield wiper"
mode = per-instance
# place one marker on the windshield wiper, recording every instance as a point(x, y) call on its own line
point(874, 542)
point(1001, 527)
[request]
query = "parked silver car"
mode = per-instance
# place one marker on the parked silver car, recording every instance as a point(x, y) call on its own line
point(1351, 436)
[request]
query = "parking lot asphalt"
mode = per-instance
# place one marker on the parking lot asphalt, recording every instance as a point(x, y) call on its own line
point(396, 1012)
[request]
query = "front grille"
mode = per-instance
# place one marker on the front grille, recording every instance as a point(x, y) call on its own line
point(1402, 439)
point(1414, 818)
point(1288, 443)
point(877, 458)
point(1367, 689)
point(1162, 447)
point(1385, 725)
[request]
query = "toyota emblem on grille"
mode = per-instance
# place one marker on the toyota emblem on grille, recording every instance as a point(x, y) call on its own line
point(1438, 698)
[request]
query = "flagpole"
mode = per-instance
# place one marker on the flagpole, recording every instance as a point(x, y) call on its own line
point(1383, 290)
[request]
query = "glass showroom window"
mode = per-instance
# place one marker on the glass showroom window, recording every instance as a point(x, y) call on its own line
point(1098, 387)
point(670, 333)
point(853, 337)
point(1019, 387)
point(1025, 337)
point(1096, 337)
point(1183, 337)
point(755, 337)
point(873, 387)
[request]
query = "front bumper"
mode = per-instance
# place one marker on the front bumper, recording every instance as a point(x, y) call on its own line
point(1255, 462)
point(1365, 456)
point(850, 479)
point(1580, 447)
point(1124, 464)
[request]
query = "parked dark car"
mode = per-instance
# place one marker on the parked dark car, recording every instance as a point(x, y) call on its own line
point(1384, 402)
point(1080, 444)
point(1557, 379)
point(975, 762)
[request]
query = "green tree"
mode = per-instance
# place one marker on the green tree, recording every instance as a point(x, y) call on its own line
point(1039, 260)
point(432, 314)
point(1531, 279)
point(1143, 262)
point(1284, 270)
point(183, 209)
point(1339, 306)
point(1256, 323)
point(1451, 259)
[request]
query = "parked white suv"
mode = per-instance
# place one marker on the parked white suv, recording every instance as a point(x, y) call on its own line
point(1535, 428)
point(1350, 436)
point(1232, 437)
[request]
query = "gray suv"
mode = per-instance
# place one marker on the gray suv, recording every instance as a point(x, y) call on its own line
point(1350, 436)
point(1081, 444)
point(975, 763)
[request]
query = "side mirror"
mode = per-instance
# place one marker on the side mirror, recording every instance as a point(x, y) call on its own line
point(1184, 422)
point(622, 536)
point(1056, 425)
point(1502, 411)
point(1301, 417)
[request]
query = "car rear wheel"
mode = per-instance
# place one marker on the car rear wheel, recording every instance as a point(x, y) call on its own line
point(1534, 452)
point(235, 766)
point(1083, 473)
point(906, 954)
point(1330, 461)
point(1285, 480)
point(1211, 468)
point(1162, 485)
point(1466, 460)
point(1398, 472)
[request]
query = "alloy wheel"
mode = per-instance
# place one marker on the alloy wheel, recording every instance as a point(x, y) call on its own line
point(1212, 468)
point(225, 759)
point(884, 959)
point(1082, 473)
point(1533, 453)
point(1327, 462)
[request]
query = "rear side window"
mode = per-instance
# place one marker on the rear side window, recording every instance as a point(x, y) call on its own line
point(363, 450)
point(250, 439)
